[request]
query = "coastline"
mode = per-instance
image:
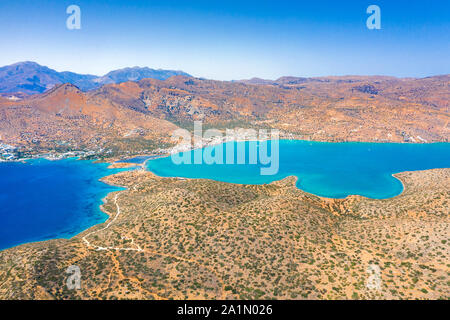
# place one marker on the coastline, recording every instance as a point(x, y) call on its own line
point(294, 177)
point(164, 152)
point(173, 150)
point(82, 229)
point(393, 174)
point(142, 166)
point(103, 246)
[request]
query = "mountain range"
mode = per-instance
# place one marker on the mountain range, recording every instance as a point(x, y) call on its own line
point(32, 78)
point(135, 117)
point(248, 235)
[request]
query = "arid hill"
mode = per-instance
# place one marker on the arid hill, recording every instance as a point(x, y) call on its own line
point(65, 118)
point(351, 108)
point(171, 238)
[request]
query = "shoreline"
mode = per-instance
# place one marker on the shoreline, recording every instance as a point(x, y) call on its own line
point(142, 166)
point(84, 229)
point(160, 152)
point(394, 175)
point(125, 189)
point(170, 151)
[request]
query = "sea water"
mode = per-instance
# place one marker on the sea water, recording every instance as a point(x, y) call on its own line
point(41, 199)
point(333, 170)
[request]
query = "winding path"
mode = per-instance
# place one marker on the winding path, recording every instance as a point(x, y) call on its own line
point(99, 248)
point(139, 249)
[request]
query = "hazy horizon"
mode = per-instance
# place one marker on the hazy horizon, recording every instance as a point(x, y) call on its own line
point(250, 78)
point(231, 40)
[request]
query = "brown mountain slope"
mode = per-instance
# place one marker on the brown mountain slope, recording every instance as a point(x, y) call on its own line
point(67, 116)
point(351, 108)
point(335, 108)
point(344, 108)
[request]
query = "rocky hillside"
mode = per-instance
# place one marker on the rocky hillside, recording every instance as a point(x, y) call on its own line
point(65, 118)
point(350, 108)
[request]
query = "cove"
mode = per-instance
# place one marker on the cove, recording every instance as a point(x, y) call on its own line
point(41, 199)
point(333, 170)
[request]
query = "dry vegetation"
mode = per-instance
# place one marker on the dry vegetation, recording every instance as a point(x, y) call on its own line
point(188, 238)
point(136, 117)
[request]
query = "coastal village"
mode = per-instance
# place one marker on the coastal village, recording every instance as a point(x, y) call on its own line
point(12, 153)
point(7, 152)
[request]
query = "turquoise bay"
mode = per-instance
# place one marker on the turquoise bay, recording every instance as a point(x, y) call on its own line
point(41, 199)
point(333, 170)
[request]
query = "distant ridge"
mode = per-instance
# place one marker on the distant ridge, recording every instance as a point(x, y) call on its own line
point(31, 78)
point(136, 74)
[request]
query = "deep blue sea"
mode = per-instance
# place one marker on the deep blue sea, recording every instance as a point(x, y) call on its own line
point(43, 199)
point(333, 170)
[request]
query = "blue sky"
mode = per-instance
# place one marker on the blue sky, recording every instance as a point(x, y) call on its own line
point(231, 39)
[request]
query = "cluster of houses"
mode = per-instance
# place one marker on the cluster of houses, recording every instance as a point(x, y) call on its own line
point(7, 152)
point(11, 153)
